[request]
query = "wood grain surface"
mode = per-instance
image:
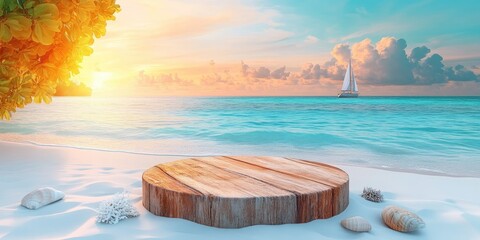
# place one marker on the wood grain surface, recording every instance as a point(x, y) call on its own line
point(239, 191)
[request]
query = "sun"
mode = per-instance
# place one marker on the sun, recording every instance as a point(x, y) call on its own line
point(99, 79)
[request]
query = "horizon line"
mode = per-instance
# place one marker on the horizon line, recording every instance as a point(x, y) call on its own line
point(239, 96)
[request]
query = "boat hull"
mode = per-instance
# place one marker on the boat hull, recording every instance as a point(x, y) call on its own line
point(347, 95)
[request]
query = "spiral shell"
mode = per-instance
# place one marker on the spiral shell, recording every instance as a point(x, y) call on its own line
point(401, 220)
point(356, 224)
point(41, 197)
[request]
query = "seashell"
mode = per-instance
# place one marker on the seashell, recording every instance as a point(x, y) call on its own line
point(356, 224)
point(41, 197)
point(401, 220)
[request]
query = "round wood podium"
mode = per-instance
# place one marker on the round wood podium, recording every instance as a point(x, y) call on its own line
point(239, 191)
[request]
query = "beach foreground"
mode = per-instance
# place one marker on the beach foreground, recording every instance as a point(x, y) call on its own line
point(448, 205)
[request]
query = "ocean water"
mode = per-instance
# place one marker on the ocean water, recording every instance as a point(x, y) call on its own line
point(436, 135)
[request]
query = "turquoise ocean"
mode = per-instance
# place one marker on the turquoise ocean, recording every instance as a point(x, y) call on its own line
point(431, 135)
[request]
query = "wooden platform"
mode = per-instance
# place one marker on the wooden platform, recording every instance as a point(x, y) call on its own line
point(238, 191)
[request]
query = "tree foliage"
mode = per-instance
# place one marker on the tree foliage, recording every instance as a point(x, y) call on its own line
point(72, 89)
point(42, 43)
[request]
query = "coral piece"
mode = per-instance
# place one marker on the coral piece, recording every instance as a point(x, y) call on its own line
point(117, 208)
point(401, 220)
point(373, 195)
point(41, 197)
point(356, 224)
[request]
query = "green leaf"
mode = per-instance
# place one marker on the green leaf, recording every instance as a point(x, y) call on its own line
point(20, 3)
point(10, 5)
point(29, 5)
point(2, 4)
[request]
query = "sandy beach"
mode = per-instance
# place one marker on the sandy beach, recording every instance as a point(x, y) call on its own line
point(448, 205)
point(362, 113)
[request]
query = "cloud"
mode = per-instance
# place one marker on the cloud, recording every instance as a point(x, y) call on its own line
point(272, 35)
point(310, 74)
point(162, 80)
point(387, 63)
point(430, 71)
point(155, 19)
point(279, 73)
point(311, 39)
point(244, 69)
point(460, 73)
point(310, 71)
point(174, 33)
point(341, 53)
point(263, 72)
point(217, 78)
point(419, 53)
point(332, 70)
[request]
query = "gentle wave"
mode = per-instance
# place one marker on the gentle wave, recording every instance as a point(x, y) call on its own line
point(115, 151)
point(439, 134)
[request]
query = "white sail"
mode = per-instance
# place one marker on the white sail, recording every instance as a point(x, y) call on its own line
point(346, 80)
point(349, 87)
point(355, 87)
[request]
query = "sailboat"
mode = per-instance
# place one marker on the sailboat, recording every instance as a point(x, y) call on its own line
point(349, 87)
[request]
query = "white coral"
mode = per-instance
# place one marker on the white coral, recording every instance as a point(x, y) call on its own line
point(373, 195)
point(117, 208)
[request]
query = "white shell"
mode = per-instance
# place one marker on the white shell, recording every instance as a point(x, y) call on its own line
point(401, 220)
point(356, 224)
point(41, 197)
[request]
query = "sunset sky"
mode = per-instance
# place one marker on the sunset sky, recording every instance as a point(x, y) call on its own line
point(163, 48)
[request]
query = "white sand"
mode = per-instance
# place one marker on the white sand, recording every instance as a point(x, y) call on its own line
point(449, 206)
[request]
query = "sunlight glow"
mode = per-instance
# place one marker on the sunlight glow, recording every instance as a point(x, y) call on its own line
point(99, 79)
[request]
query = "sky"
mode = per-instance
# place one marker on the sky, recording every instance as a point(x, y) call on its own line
point(282, 47)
